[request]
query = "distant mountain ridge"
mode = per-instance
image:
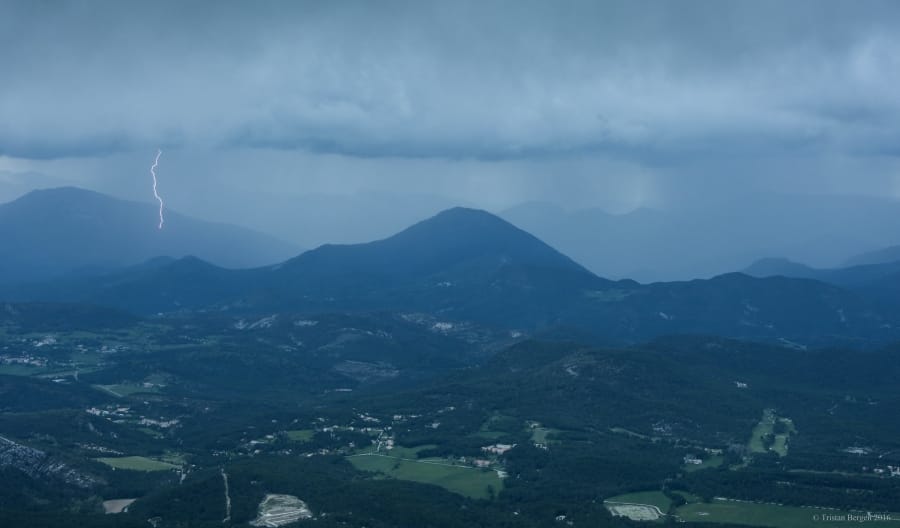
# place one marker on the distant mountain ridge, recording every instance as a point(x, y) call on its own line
point(880, 282)
point(469, 265)
point(781, 267)
point(705, 238)
point(54, 232)
point(881, 256)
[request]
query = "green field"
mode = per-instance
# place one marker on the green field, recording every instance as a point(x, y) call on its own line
point(152, 432)
point(301, 435)
point(763, 428)
point(751, 514)
point(173, 458)
point(467, 481)
point(781, 440)
point(404, 452)
point(21, 370)
point(780, 446)
point(711, 462)
point(137, 463)
point(540, 434)
point(766, 426)
point(497, 426)
point(626, 432)
point(126, 389)
point(652, 498)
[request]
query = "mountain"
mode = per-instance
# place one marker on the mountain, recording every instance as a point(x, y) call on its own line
point(468, 265)
point(780, 267)
point(878, 282)
point(158, 285)
point(461, 262)
point(881, 256)
point(568, 384)
point(773, 309)
point(850, 277)
point(451, 243)
point(56, 232)
point(701, 239)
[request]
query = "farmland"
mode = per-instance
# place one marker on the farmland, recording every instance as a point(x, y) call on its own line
point(303, 435)
point(137, 463)
point(464, 480)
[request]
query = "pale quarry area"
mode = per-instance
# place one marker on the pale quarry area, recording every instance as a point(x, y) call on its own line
point(279, 510)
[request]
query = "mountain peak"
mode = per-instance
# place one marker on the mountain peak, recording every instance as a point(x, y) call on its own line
point(66, 190)
point(463, 221)
point(454, 238)
point(55, 232)
point(66, 197)
point(773, 267)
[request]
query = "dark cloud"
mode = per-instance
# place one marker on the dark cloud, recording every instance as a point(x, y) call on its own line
point(265, 108)
point(489, 80)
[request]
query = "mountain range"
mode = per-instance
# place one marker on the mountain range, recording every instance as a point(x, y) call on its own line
point(469, 265)
point(458, 342)
point(879, 281)
point(70, 231)
point(879, 256)
point(682, 243)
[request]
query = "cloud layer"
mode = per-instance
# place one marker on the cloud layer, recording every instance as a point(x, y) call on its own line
point(653, 82)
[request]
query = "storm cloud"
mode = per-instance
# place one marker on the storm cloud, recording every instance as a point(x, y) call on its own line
point(617, 105)
point(649, 81)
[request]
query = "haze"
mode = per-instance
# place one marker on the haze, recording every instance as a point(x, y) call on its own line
point(730, 131)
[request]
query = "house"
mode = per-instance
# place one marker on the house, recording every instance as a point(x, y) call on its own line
point(691, 459)
point(498, 449)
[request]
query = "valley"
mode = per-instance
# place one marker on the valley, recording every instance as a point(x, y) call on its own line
point(157, 408)
point(493, 382)
point(449, 264)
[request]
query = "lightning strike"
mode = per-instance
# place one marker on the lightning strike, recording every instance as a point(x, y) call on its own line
point(155, 192)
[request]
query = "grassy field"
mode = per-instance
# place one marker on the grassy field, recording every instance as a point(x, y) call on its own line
point(711, 462)
point(781, 440)
point(540, 434)
point(467, 481)
point(406, 452)
point(137, 463)
point(780, 445)
point(653, 498)
point(751, 514)
point(301, 435)
point(765, 427)
point(152, 432)
point(21, 370)
point(126, 389)
point(689, 497)
point(495, 427)
point(173, 458)
point(626, 432)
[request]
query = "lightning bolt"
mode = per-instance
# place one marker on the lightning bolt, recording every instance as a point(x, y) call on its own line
point(155, 192)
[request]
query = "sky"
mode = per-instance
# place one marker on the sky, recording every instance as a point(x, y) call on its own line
point(263, 107)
